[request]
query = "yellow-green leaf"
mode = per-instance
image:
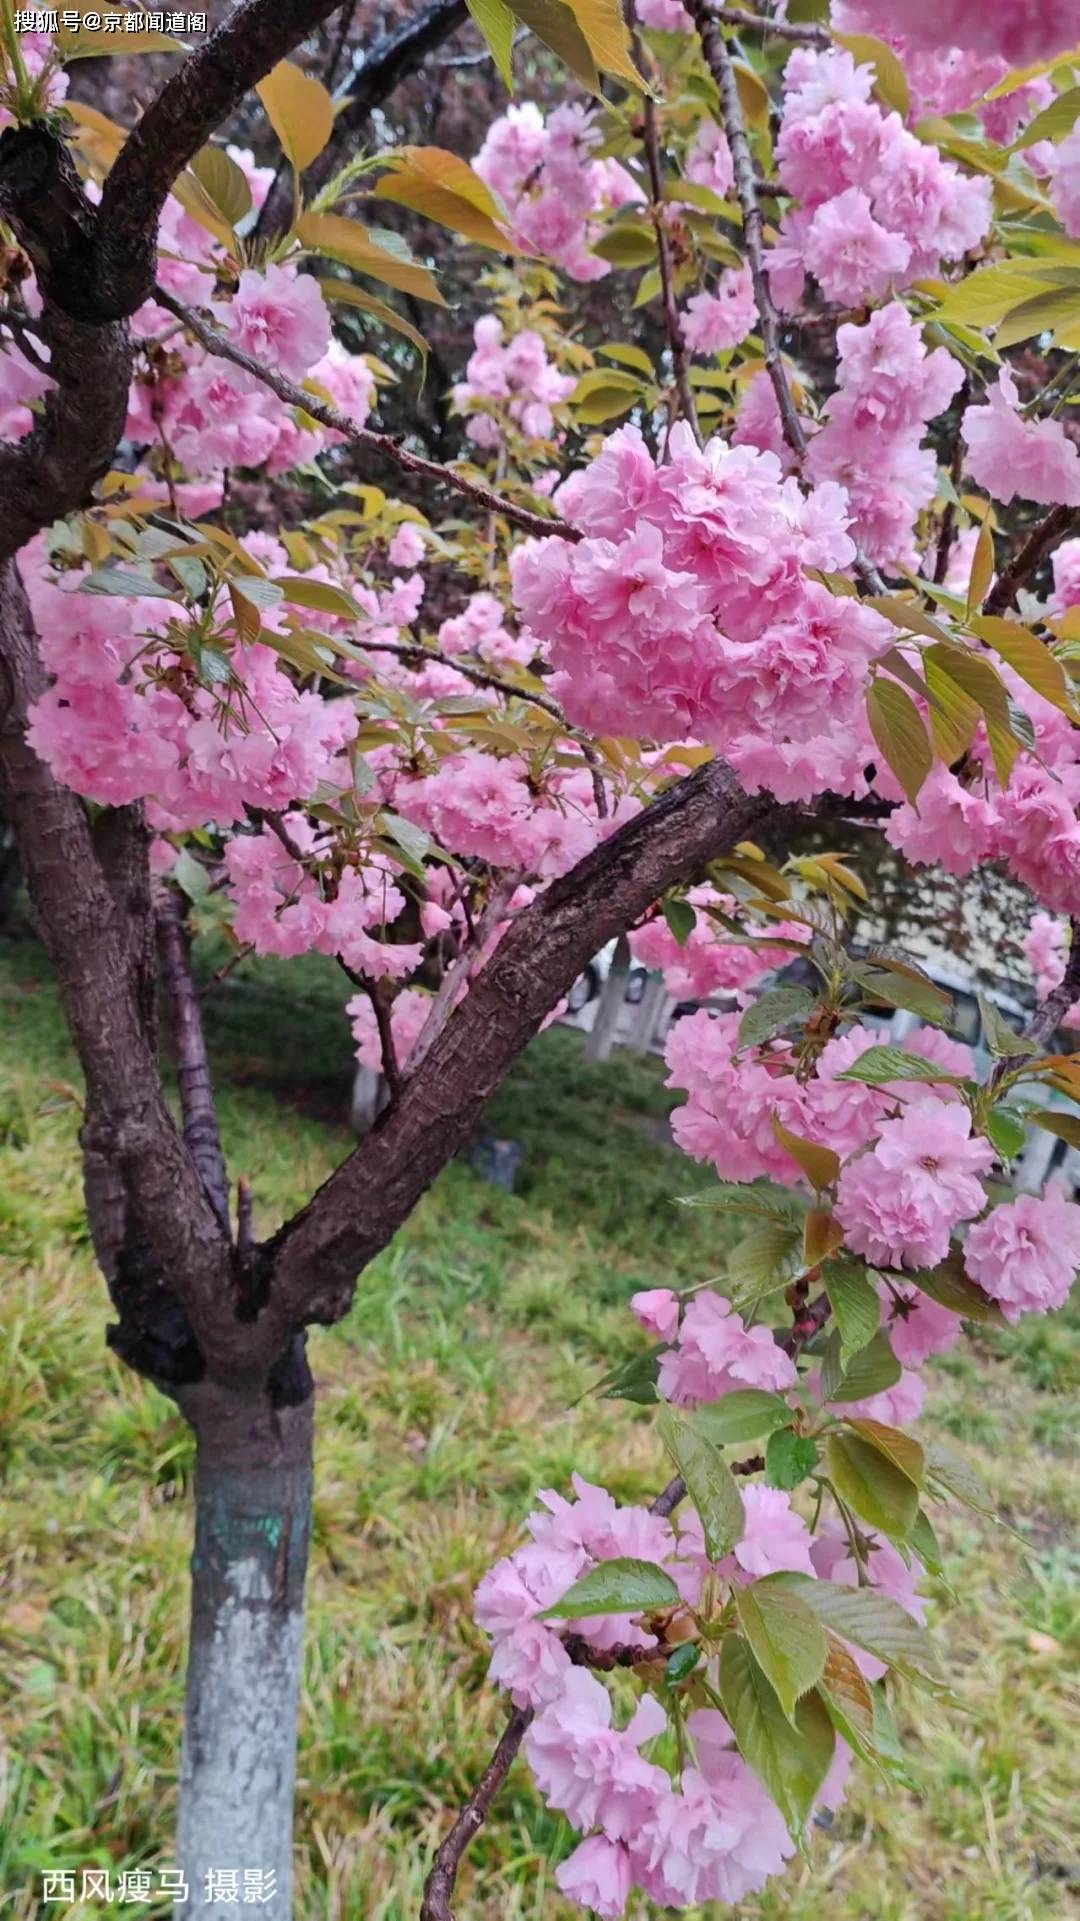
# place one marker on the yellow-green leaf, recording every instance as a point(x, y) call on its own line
point(982, 299)
point(605, 29)
point(496, 23)
point(788, 1640)
point(554, 23)
point(224, 183)
point(982, 568)
point(1030, 658)
point(1055, 120)
point(954, 716)
point(346, 240)
point(351, 296)
point(820, 1164)
point(890, 78)
point(978, 679)
point(898, 729)
point(878, 1491)
point(442, 187)
point(300, 111)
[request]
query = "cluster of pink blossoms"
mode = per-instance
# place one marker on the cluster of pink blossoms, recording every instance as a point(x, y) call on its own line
point(878, 207)
point(709, 960)
point(513, 379)
point(554, 190)
point(117, 726)
point(1046, 945)
point(477, 805)
point(1018, 32)
point(712, 1834)
point(686, 611)
point(1014, 458)
point(284, 905)
point(1031, 824)
point(888, 389)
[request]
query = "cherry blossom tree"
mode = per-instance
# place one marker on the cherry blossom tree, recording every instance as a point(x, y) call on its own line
point(825, 568)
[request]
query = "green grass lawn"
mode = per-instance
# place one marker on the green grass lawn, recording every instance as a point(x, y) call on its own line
point(444, 1402)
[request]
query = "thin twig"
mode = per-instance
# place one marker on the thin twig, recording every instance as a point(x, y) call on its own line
point(807, 36)
point(722, 67)
point(460, 972)
point(365, 438)
point(439, 1886)
point(672, 321)
point(948, 518)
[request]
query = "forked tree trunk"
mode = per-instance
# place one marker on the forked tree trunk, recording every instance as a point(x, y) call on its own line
point(252, 1529)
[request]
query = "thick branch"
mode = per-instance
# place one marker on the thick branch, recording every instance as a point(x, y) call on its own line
point(193, 1066)
point(373, 77)
point(202, 93)
point(313, 1262)
point(1059, 522)
point(53, 469)
point(365, 438)
point(129, 1131)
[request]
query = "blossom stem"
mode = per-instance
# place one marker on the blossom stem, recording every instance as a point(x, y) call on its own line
point(672, 322)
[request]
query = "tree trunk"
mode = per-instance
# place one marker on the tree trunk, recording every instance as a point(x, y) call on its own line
point(252, 1528)
point(600, 1039)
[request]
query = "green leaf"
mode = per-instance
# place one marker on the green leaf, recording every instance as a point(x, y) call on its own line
point(257, 591)
point(1055, 120)
point(750, 1197)
point(629, 357)
point(322, 595)
point(951, 1287)
point(789, 1458)
point(958, 1477)
point(897, 987)
point(791, 1761)
point(788, 1641)
point(881, 1065)
point(1000, 1038)
point(954, 716)
point(979, 680)
point(127, 585)
point(780, 1008)
point(740, 1416)
point(709, 1482)
point(982, 568)
point(924, 1542)
point(768, 1258)
point(1065, 1126)
point(629, 244)
point(624, 1586)
point(898, 729)
point(496, 23)
point(682, 1662)
point(680, 917)
point(856, 1304)
point(901, 1449)
point(414, 842)
point(190, 875)
point(1008, 1131)
point(634, 1380)
point(878, 1492)
point(872, 1621)
point(870, 1369)
point(300, 111)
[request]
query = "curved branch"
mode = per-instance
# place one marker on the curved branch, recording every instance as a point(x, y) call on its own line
point(310, 1267)
point(368, 439)
point(1059, 522)
point(202, 93)
point(130, 1138)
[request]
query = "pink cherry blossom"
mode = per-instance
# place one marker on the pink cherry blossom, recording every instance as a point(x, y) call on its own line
point(1016, 458)
point(1026, 1253)
point(899, 1204)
